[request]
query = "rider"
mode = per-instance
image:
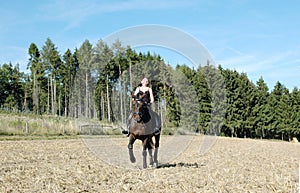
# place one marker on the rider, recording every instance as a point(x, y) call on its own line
point(142, 89)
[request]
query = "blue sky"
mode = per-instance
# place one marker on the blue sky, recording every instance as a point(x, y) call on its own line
point(258, 37)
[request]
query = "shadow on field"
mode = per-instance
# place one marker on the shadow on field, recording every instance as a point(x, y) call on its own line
point(180, 164)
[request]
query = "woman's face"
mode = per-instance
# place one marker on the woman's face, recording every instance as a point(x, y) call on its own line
point(144, 81)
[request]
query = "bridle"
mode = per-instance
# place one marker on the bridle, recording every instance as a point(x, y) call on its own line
point(138, 108)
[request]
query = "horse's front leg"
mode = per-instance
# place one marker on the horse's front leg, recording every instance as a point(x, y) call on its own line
point(130, 148)
point(150, 157)
point(145, 153)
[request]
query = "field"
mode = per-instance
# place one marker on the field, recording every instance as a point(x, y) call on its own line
point(101, 164)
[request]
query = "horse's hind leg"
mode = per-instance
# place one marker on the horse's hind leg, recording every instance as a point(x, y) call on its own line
point(144, 158)
point(157, 138)
point(150, 150)
point(155, 157)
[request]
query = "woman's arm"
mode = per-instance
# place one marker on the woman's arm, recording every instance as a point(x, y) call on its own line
point(136, 91)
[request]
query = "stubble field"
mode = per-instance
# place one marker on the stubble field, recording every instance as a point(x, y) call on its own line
point(102, 165)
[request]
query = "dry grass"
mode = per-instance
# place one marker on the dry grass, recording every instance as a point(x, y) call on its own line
point(231, 165)
point(36, 125)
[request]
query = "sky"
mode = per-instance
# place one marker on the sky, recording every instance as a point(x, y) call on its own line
point(258, 37)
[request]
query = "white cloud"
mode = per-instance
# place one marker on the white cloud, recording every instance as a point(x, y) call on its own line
point(255, 62)
point(75, 12)
point(283, 67)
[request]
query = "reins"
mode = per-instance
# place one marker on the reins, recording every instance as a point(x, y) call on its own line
point(135, 105)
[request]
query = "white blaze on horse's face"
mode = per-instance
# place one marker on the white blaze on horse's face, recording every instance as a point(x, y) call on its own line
point(138, 107)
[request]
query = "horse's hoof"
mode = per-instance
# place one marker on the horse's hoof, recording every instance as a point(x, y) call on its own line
point(132, 159)
point(151, 162)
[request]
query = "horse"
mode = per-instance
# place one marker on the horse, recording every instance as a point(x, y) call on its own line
point(141, 127)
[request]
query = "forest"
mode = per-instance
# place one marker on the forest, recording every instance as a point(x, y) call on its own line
point(96, 82)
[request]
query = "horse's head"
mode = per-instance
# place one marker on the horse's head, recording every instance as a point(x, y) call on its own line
point(139, 107)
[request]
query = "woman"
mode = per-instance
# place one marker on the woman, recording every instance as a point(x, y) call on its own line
point(144, 89)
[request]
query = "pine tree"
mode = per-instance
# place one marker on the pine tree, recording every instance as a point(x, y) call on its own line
point(85, 82)
point(122, 65)
point(51, 62)
point(68, 72)
point(104, 66)
point(37, 74)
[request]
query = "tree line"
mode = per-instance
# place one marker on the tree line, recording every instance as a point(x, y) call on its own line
point(96, 82)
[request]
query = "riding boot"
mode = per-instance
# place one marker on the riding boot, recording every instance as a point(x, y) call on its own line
point(128, 129)
point(157, 126)
point(128, 125)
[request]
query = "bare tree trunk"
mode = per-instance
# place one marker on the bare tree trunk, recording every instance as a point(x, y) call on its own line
point(25, 100)
point(79, 98)
point(102, 106)
point(164, 109)
point(34, 95)
point(121, 96)
point(86, 95)
point(70, 108)
point(124, 102)
point(108, 101)
point(59, 104)
point(48, 101)
point(66, 102)
point(130, 82)
point(75, 100)
point(162, 116)
point(90, 105)
point(54, 96)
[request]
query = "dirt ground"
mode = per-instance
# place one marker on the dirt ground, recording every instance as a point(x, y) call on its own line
point(102, 165)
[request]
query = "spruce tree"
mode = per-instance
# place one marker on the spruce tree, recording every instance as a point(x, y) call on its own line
point(274, 110)
point(260, 109)
point(295, 113)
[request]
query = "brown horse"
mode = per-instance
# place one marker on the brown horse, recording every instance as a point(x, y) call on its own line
point(141, 126)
